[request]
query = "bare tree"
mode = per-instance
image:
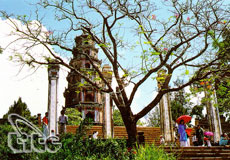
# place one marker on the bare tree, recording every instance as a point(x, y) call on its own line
point(178, 39)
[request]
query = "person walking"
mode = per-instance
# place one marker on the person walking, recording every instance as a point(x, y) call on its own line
point(45, 122)
point(200, 135)
point(63, 121)
point(182, 133)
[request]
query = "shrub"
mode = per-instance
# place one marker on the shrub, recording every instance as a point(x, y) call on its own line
point(78, 147)
point(151, 152)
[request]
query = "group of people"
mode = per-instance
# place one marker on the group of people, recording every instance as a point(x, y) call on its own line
point(224, 140)
point(62, 121)
point(198, 139)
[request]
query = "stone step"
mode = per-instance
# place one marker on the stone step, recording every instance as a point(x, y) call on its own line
point(213, 148)
point(204, 158)
point(198, 151)
point(215, 152)
point(193, 154)
point(201, 153)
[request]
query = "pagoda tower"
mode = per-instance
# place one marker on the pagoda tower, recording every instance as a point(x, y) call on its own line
point(90, 101)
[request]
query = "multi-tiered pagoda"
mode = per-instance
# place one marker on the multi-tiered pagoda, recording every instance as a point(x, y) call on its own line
point(91, 102)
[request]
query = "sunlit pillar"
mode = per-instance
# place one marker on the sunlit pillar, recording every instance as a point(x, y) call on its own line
point(213, 112)
point(53, 73)
point(165, 111)
point(108, 126)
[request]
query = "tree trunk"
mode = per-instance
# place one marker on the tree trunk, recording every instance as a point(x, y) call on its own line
point(132, 134)
point(131, 129)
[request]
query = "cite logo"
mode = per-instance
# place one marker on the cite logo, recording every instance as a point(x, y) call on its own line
point(28, 138)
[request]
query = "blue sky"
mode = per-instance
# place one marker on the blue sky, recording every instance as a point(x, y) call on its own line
point(32, 87)
point(35, 94)
point(23, 7)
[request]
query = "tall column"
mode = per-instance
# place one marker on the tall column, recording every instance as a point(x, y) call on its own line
point(213, 114)
point(108, 126)
point(53, 73)
point(165, 111)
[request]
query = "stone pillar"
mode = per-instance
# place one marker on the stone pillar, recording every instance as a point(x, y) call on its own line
point(213, 114)
point(165, 111)
point(53, 74)
point(108, 126)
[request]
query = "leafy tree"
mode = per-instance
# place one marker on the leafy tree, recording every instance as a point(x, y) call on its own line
point(197, 111)
point(117, 119)
point(222, 82)
point(177, 110)
point(178, 43)
point(180, 104)
point(223, 94)
point(153, 118)
point(219, 81)
point(19, 108)
point(74, 116)
point(141, 123)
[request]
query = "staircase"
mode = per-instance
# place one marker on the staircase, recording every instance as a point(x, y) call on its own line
point(197, 153)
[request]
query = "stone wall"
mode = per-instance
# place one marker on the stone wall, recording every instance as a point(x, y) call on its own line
point(151, 134)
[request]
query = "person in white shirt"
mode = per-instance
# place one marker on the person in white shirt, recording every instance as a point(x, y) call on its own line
point(162, 140)
point(95, 133)
point(63, 121)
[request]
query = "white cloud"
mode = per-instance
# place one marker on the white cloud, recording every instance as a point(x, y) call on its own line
point(33, 88)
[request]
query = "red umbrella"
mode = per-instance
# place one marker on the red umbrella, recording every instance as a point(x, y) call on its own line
point(208, 133)
point(186, 118)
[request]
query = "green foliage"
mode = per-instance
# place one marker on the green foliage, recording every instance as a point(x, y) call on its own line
point(223, 94)
point(74, 116)
point(4, 149)
point(187, 72)
point(222, 81)
point(178, 109)
point(179, 104)
point(74, 147)
point(152, 153)
point(1, 50)
point(117, 119)
point(140, 123)
point(19, 108)
point(197, 110)
point(77, 147)
point(219, 81)
point(153, 118)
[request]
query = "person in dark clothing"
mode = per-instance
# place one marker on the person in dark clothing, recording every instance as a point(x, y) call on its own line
point(200, 135)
